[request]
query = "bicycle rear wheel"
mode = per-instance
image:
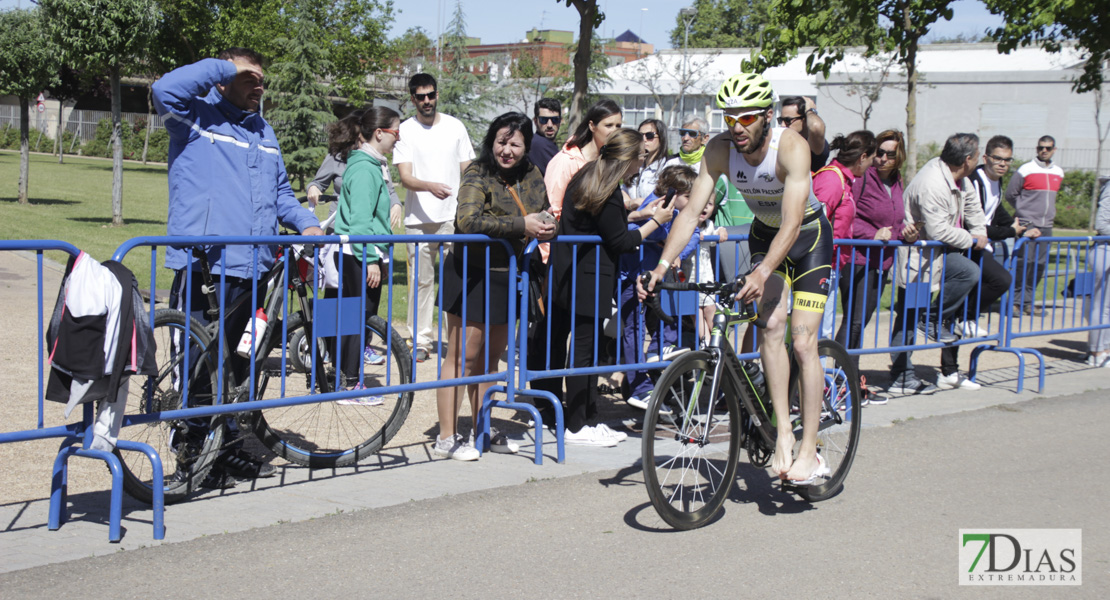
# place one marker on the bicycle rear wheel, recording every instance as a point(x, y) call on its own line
point(690, 456)
point(336, 433)
point(187, 446)
point(841, 416)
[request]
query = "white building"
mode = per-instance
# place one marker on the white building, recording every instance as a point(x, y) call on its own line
point(962, 88)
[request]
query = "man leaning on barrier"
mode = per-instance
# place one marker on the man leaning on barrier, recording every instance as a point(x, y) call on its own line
point(226, 178)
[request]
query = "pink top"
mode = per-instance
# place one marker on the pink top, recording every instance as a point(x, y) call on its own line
point(560, 171)
point(835, 192)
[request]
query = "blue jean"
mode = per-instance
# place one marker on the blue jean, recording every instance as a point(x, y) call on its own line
point(631, 336)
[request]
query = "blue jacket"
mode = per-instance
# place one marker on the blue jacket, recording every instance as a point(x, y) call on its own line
point(631, 265)
point(226, 173)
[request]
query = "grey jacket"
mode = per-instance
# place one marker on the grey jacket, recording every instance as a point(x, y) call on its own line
point(1102, 218)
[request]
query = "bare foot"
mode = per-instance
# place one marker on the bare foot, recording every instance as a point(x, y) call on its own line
point(784, 456)
point(802, 468)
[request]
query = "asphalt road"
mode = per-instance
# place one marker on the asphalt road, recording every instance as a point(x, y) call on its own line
point(892, 533)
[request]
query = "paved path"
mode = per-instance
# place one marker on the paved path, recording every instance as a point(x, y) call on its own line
point(892, 533)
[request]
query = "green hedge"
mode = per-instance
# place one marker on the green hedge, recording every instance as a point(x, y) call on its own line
point(133, 137)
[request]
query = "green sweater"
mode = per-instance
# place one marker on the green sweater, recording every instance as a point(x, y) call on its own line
point(364, 204)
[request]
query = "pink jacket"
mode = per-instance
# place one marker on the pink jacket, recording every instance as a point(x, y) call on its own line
point(833, 187)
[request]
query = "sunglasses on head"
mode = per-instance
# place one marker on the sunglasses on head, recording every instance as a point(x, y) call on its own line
point(423, 97)
point(546, 120)
point(880, 153)
point(744, 119)
point(648, 135)
point(787, 121)
point(689, 133)
point(1044, 148)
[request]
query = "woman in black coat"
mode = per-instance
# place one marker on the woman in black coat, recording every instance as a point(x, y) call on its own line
point(586, 281)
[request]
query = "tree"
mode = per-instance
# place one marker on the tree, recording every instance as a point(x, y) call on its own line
point(590, 17)
point(300, 107)
point(359, 45)
point(666, 74)
point(28, 65)
point(865, 89)
point(463, 94)
point(724, 24)
point(68, 86)
point(104, 35)
point(878, 26)
point(1050, 23)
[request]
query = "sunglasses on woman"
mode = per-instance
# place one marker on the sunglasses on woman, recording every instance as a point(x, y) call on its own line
point(744, 119)
point(880, 153)
point(648, 135)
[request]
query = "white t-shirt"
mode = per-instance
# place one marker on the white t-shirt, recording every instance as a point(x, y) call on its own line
point(994, 195)
point(435, 153)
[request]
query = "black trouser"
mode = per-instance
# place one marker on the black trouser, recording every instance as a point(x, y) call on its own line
point(862, 284)
point(1031, 263)
point(993, 283)
point(354, 283)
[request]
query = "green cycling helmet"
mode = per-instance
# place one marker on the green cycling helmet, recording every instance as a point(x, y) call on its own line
point(745, 90)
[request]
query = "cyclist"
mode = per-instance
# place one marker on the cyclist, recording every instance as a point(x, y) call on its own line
point(791, 248)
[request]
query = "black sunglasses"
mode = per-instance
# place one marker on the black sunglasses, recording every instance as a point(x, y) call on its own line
point(546, 120)
point(1040, 148)
point(787, 121)
point(423, 97)
point(690, 132)
point(1000, 159)
point(648, 135)
point(880, 153)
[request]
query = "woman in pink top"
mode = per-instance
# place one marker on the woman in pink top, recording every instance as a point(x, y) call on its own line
point(584, 146)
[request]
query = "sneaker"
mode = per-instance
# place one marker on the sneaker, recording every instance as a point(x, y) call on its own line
point(371, 357)
point(873, 398)
point(929, 328)
point(501, 444)
point(911, 385)
point(642, 404)
point(669, 352)
point(1032, 311)
point(589, 436)
point(620, 436)
point(217, 479)
point(970, 329)
point(241, 465)
point(362, 400)
point(453, 447)
point(956, 381)
point(421, 355)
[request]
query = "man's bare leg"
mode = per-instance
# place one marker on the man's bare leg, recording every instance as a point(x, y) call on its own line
point(804, 328)
point(776, 366)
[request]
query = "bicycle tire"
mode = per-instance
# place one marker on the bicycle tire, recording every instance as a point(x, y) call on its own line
point(697, 449)
point(188, 447)
point(841, 417)
point(334, 434)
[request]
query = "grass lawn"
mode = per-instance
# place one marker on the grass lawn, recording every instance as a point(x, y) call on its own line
point(72, 202)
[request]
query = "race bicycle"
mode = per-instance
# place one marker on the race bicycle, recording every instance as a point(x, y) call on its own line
point(708, 405)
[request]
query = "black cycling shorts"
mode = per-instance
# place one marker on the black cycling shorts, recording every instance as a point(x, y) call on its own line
point(807, 266)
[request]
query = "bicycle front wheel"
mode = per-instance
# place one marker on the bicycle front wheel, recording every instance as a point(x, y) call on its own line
point(187, 446)
point(336, 433)
point(841, 417)
point(691, 442)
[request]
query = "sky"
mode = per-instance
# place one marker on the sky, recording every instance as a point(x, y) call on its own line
point(504, 21)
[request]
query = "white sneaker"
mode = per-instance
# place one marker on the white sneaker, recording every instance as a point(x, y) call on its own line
point(454, 448)
point(620, 436)
point(589, 436)
point(970, 329)
point(956, 381)
point(501, 444)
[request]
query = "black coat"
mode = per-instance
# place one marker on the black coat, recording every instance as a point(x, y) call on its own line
point(596, 284)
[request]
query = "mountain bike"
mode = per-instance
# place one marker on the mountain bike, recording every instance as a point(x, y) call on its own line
point(317, 434)
point(708, 405)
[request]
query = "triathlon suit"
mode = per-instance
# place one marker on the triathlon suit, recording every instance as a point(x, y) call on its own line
point(808, 263)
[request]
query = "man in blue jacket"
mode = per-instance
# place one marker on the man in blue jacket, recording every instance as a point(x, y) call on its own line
point(226, 178)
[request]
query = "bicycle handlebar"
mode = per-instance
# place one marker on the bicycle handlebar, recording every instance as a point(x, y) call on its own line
point(748, 311)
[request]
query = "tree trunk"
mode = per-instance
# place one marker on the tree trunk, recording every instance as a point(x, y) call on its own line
point(149, 119)
point(587, 11)
point(60, 134)
point(1098, 159)
point(911, 98)
point(24, 147)
point(117, 150)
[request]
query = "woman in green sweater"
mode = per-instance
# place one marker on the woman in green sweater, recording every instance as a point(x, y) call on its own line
point(363, 138)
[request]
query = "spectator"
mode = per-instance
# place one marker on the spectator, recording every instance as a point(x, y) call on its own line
point(226, 177)
point(363, 139)
point(938, 200)
point(502, 196)
point(596, 208)
point(642, 184)
point(699, 265)
point(548, 116)
point(693, 135)
point(800, 114)
point(1098, 340)
point(880, 211)
point(330, 173)
point(1001, 225)
point(583, 146)
point(833, 187)
point(1032, 191)
point(433, 152)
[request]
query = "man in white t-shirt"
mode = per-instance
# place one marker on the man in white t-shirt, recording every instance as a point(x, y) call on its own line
point(431, 155)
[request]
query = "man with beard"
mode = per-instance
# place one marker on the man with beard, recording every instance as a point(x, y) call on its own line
point(431, 155)
point(548, 116)
point(791, 249)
